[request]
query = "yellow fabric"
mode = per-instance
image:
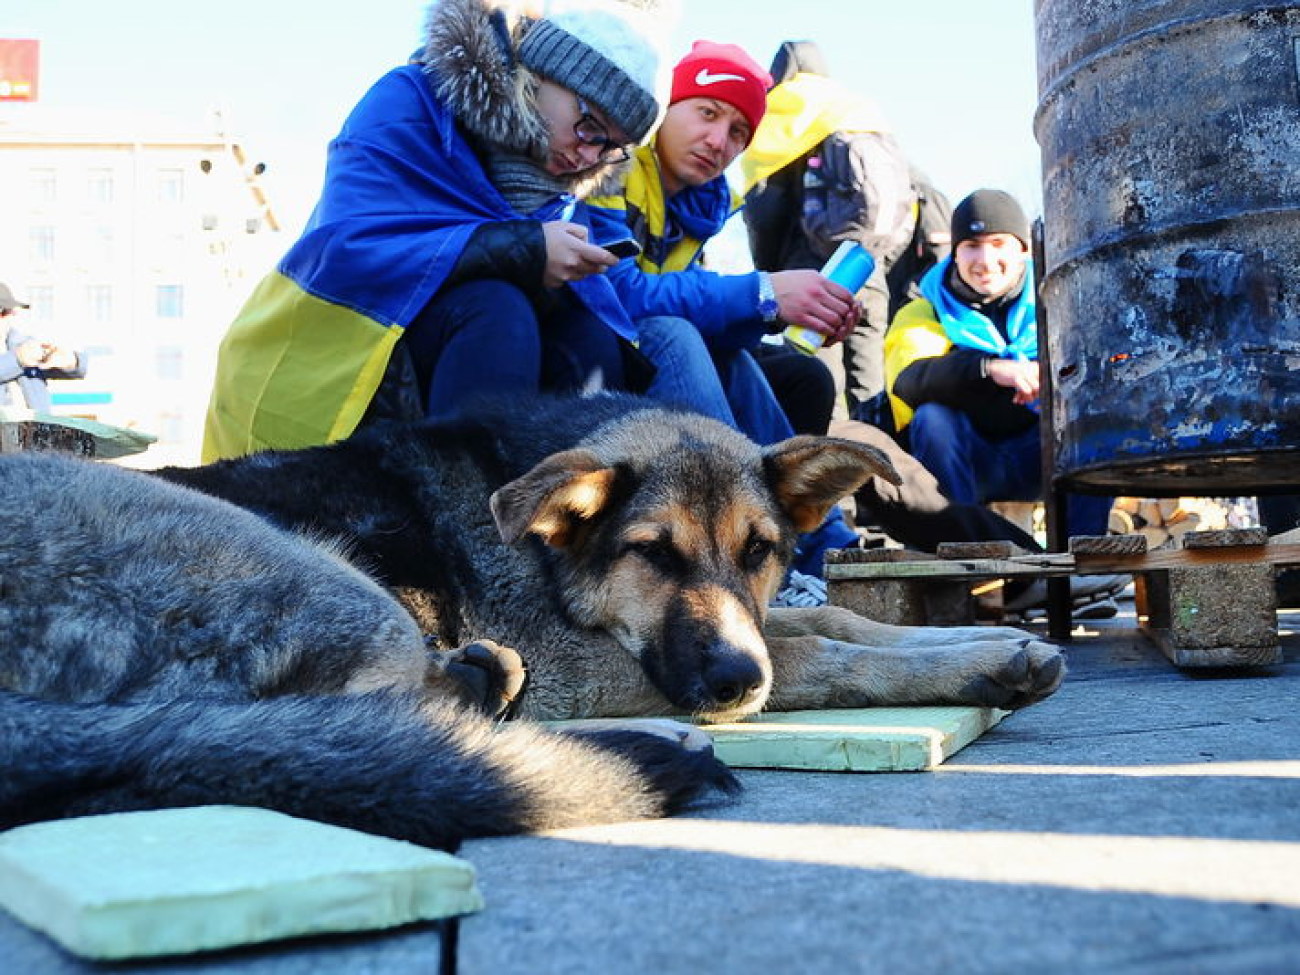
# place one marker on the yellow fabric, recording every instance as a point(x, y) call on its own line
point(801, 113)
point(914, 334)
point(293, 371)
point(643, 193)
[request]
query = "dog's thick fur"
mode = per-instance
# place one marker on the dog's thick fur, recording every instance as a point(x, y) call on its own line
point(159, 647)
point(627, 551)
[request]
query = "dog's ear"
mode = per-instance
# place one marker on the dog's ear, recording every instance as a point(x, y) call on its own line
point(812, 473)
point(553, 499)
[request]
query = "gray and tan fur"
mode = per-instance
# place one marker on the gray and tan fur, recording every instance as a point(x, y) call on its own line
point(628, 552)
point(160, 647)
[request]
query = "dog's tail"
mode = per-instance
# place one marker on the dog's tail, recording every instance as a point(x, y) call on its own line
point(433, 774)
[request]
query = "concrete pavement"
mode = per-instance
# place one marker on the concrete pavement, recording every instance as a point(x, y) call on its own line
point(1141, 820)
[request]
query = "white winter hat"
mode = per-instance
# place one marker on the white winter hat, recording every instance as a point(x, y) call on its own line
point(606, 52)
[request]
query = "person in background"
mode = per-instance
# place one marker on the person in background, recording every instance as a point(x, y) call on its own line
point(824, 168)
point(961, 370)
point(449, 253)
point(27, 363)
point(700, 328)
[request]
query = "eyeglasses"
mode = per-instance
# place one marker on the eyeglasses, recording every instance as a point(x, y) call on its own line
point(590, 131)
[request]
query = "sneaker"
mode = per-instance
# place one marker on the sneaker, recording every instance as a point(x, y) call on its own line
point(801, 590)
point(1084, 590)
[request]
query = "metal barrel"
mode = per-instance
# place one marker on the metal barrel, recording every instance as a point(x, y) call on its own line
point(1170, 139)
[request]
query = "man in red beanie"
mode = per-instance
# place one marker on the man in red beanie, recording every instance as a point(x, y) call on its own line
point(675, 198)
point(700, 327)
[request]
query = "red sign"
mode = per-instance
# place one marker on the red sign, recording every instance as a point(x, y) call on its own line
point(20, 69)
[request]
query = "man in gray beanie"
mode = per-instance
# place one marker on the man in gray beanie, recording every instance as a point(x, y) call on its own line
point(961, 370)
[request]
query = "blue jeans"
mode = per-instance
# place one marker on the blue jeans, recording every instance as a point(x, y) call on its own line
point(488, 336)
point(728, 386)
point(974, 469)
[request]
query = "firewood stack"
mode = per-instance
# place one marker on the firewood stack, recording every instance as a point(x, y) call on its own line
point(1164, 521)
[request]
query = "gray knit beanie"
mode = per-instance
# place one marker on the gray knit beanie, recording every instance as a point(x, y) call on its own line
point(604, 55)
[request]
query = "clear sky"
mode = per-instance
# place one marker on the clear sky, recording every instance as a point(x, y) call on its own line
point(955, 78)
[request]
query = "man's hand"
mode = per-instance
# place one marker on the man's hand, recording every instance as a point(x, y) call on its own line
point(568, 255)
point(32, 353)
point(1018, 375)
point(45, 355)
point(808, 299)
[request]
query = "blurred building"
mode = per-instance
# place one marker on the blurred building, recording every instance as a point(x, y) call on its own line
point(137, 242)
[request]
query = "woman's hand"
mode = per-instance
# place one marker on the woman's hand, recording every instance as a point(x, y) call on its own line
point(568, 255)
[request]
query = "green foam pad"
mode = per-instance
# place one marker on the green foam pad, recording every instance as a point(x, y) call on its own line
point(174, 881)
point(852, 740)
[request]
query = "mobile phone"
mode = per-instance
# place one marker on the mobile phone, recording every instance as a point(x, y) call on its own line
point(627, 247)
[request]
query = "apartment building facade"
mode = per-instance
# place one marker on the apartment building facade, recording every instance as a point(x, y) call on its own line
point(135, 242)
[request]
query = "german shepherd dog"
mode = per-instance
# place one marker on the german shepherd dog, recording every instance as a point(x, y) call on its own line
point(626, 551)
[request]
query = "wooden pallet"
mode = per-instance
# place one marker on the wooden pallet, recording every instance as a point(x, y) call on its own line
point(1210, 603)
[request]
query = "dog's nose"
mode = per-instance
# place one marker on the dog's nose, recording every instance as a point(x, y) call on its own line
point(731, 679)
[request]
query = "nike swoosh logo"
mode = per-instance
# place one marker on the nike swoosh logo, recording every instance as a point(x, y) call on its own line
point(704, 79)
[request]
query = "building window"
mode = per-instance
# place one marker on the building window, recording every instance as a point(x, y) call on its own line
point(171, 186)
point(169, 301)
point(104, 244)
point(99, 186)
point(42, 186)
point(170, 362)
point(40, 244)
point(41, 298)
point(99, 302)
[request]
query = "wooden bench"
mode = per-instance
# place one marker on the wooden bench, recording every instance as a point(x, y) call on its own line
point(1210, 603)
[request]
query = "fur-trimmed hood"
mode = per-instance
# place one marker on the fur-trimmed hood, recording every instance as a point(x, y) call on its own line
point(469, 59)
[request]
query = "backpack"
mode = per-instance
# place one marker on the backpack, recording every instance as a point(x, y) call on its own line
point(858, 186)
point(930, 243)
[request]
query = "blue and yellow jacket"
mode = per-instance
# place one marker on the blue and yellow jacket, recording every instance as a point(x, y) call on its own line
point(672, 233)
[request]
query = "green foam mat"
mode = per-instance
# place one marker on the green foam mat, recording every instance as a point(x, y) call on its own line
point(174, 881)
point(852, 740)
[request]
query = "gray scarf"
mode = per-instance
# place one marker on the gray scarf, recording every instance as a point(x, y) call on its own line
point(524, 183)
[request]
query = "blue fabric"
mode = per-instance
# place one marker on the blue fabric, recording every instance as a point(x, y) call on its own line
point(486, 336)
point(724, 307)
point(403, 193)
point(972, 329)
point(972, 469)
point(810, 552)
point(728, 386)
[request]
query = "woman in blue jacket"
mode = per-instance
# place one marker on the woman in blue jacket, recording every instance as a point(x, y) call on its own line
point(450, 221)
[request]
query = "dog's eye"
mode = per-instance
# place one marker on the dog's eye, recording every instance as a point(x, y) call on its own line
point(660, 554)
point(755, 554)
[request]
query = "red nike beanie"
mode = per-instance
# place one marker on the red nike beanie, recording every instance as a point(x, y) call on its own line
point(724, 72)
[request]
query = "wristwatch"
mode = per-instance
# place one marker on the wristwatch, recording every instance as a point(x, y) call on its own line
point(768, 309)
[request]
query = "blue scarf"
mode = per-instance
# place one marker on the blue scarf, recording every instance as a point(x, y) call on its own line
point(973, 329)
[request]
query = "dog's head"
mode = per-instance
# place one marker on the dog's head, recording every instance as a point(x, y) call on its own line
point(673, 532)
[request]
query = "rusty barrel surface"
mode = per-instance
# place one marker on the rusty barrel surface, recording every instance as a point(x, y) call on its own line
point(1170, 139)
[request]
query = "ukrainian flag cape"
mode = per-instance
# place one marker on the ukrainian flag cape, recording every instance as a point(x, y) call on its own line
point(403, 193)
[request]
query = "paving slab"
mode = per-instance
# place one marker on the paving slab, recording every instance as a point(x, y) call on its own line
point(1142, 820)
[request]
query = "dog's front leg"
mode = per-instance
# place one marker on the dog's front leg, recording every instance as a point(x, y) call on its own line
point(1006, 669)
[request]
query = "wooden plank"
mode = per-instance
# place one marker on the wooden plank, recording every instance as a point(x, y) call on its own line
point(978, 550)
point(1108, 545)
point(1226, 538)
point(852, 740)
point(1270, 554)
point(1029, 565)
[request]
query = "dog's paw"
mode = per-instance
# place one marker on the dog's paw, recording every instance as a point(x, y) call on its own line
point(486, 676)
point(689, 736)
point(1017, 674)
point(675, 760)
